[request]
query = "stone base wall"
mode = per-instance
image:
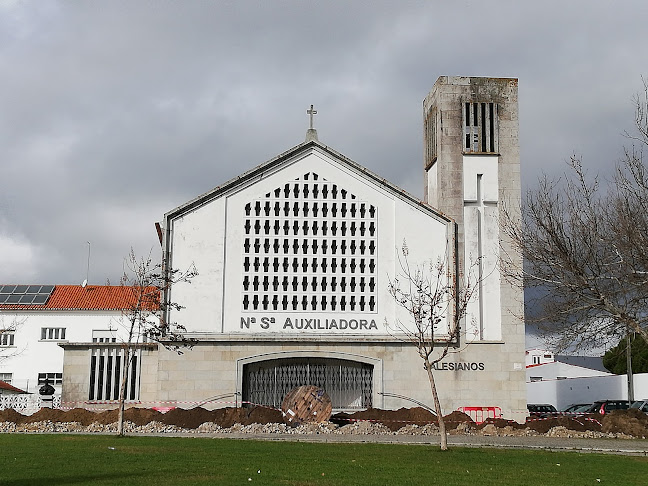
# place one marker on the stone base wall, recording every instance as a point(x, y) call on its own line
point(210, 374)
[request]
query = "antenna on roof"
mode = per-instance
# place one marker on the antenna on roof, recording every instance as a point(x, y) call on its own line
point(85, 282)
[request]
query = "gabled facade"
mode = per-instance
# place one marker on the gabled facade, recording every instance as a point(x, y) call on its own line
point(295, 257)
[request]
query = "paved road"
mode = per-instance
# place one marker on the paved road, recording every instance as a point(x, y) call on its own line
point(637, 447)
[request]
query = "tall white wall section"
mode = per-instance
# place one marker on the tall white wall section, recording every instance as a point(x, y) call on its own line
point(481, 247)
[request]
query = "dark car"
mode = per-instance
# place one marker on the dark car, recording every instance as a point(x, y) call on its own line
point(605, 406)
point(578, 408)
point(641, 405)
point(541, 410)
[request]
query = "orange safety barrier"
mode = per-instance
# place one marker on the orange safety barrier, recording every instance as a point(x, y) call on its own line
point(480, 414)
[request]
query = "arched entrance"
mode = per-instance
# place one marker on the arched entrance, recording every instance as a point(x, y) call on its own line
point(348, 383)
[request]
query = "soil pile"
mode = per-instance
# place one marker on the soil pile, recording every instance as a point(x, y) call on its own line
point(392, 419)
point(627, 422)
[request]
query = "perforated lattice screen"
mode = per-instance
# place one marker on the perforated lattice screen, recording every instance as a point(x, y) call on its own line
point(309, 245)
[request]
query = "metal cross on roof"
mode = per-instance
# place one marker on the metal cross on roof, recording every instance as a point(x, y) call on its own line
point(311, 112)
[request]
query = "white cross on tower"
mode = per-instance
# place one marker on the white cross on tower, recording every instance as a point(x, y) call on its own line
point(311, 112)
point(480, 206)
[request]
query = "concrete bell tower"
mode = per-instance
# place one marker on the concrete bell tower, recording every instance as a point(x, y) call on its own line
point(472, 174)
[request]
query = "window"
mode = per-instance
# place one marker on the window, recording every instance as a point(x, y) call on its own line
point(533, 379)
point(104, 336)
point(53, 378)
point(6, 377)
point(430, 136)
point(6, 338)
point(107, 371)
point(310, 245)
point(52, 333)
point(536, 360)
point(480, 127)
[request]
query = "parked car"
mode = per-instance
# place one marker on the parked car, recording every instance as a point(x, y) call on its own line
point(605, 406)
point(578, 408)
point(541, 410)
point(641, 405)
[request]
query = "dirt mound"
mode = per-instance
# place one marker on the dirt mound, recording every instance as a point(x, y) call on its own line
point(80, 415)
point(500, 423)
point(580, 423)
point(392, 419)
point(224, 417)
point(453, 420)
point(630, 422)
point(10, 415)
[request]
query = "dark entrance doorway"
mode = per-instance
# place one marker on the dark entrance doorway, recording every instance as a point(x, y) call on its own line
point(348, 383)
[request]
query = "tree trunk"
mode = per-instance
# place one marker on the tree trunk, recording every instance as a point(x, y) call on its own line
point(122, 393)
point(443, 434)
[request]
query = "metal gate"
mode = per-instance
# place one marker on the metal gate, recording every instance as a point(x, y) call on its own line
point(348, 383)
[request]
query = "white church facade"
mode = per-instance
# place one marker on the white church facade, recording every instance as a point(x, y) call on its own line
point(295, 257)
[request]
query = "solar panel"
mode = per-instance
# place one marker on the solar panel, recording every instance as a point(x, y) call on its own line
point(27, 299)
point(25, 294)
point(40, 299)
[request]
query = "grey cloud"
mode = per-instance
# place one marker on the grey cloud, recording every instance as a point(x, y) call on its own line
point(116, 112)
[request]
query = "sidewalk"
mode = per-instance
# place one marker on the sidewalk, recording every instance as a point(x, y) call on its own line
point(638, 447)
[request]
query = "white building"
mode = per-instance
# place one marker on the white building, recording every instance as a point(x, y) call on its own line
point(536, 356)
point(295, 257)
point(36, 319)
point(565, 380)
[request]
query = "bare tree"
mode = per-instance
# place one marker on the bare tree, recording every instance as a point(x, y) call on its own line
point(144, 315)
point(436, 300)
point(585, 250)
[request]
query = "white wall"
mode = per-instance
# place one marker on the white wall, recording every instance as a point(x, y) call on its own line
point(562, 393)
point(482, 243)
point(31, 355)
point(557, 370)
point(211, 238)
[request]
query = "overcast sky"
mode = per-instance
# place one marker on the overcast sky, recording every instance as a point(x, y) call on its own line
point(115, 112)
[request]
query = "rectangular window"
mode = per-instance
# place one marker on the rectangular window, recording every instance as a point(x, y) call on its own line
point(6, 377)
point(104, 336)
point(52, 333)
point(6, 338)
point(480, 127)
point(430, 136)
point(106, 374)
point(52, 378)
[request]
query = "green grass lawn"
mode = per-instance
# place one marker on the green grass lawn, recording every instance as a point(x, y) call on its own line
point(82, 459)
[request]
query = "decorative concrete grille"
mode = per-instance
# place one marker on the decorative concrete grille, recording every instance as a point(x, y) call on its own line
point(107, 371)
point(309, 245)
point(349, 384)
point(480, 127)
point(27, 403)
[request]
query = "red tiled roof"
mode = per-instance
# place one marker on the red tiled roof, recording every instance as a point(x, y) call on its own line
point(91, 297)
point(6, 386)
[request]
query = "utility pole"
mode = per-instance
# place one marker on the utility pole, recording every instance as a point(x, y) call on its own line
point(629, 366)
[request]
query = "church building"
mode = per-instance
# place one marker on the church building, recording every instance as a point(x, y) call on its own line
point(295, 259)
